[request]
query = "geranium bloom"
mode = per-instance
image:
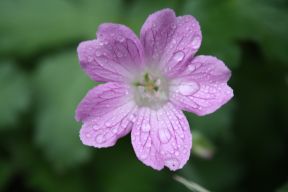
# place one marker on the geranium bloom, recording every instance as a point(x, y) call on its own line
point(147, 84)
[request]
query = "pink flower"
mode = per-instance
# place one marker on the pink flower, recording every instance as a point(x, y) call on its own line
point(147, 84)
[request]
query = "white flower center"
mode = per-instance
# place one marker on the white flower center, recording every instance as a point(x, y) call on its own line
point(151, 89)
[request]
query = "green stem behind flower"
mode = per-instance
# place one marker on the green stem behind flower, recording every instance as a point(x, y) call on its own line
point(190, 184)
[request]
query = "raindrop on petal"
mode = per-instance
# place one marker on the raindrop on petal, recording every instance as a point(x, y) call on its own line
point(188, 88)
point(164, 135)
point(143, 156)
point(178, 56)
point(100, 139)
point(146, 127)
point(191, 68)
point(107, 124)
point(196, 42)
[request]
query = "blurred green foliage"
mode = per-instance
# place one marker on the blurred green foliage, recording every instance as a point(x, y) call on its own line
point(41, 84)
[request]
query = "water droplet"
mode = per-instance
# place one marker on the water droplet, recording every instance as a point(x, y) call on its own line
point(107, 124)
point(173, 164)
point(121, 39)
point(176, 153)
point(132, 118)
point(133, 138)
point(178, 56)
point(146, 127)
point(90, 59)
point(196, 42)
point(148, 145)
point(143, 156)
point(137, 133)
point(164, 135)
point(188, 88)
point(114, 130)
point(100, 139)
point(88, 135)
point(173, 26)
point(119, 54)
point(96, 127)
point(191, 68)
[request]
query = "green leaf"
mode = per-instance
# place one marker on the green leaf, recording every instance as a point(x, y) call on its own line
point(269, 27)
point(14, 94)
point(226, 22)
point(60, 85)
point(215, 126)
point(221, 173)
point(284, 188)
point(32, 25)
point(123, 172)
point(141, 9)
point(202, 146)
point(223, 170)
point(5, 173)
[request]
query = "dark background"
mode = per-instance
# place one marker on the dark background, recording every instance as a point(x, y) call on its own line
point(242, 147)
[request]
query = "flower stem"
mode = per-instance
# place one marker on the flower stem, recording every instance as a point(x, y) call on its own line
point(190, 184)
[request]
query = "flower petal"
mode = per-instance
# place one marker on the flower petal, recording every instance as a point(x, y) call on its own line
point(162, 138)
point(113, 56)
point(170, 41)
point(107, 113)
point(202, 88)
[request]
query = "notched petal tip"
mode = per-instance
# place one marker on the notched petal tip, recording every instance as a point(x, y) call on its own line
point(167, 143)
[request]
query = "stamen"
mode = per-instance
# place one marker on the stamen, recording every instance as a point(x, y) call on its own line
point(151, 90)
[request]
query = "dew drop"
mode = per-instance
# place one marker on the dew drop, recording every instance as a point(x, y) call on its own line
point(196, 42)
point(90, 59)
point(143, 156)
point(119, 54)
point(133, 138)
point(178, 56)
point(191, 68)
point(95, 127)
point(114, 130)
point(100, 139)
point(188, 88)
point(107, 124)
point(132, 118)
point(121, 39)
point(164, 135)
point(88, 135)
point(146, 127)
point(137, 132)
